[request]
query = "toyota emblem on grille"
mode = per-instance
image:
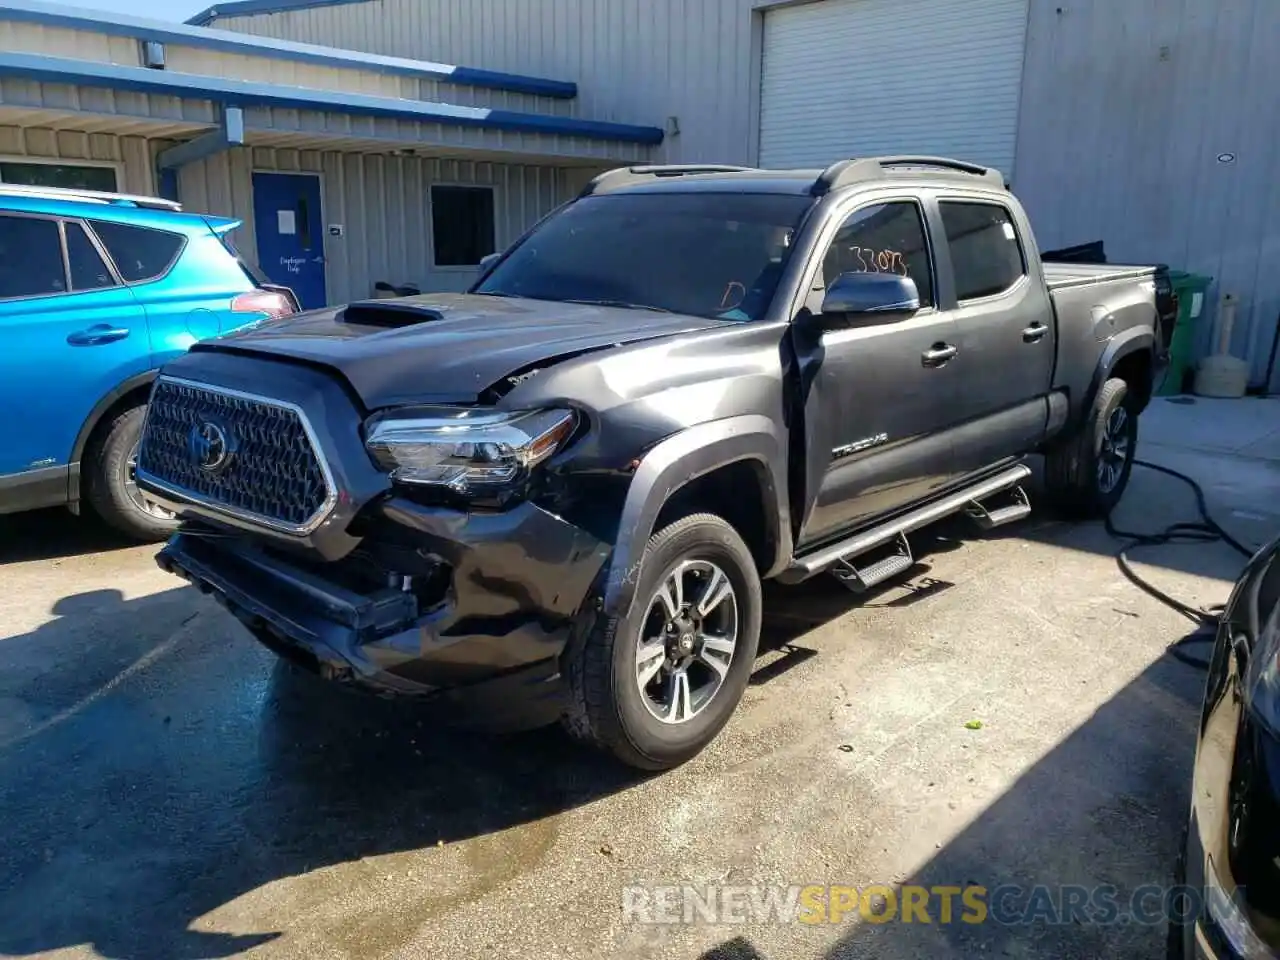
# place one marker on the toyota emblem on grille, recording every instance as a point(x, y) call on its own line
point(210, 447)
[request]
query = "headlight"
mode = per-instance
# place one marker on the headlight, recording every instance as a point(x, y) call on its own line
point(469, 451)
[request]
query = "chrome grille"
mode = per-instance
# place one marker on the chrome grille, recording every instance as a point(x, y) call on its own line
point(245, 455)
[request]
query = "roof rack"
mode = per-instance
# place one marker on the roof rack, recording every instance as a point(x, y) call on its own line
point(846, 172)
point(89, 196)
point(612, 179)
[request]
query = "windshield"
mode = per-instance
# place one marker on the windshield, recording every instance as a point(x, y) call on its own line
point(716, 255)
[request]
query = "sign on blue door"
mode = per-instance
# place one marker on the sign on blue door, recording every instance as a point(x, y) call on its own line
point(289, 228)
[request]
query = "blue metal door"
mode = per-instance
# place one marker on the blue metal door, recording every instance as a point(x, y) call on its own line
point(290, 231)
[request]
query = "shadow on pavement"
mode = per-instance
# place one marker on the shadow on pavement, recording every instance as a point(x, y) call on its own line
point(1104, 806)
point(155, 765)
point(54, 534)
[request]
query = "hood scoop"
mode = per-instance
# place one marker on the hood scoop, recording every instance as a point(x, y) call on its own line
point(389, 315)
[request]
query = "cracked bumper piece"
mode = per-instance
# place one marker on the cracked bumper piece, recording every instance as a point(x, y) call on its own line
point(484, 642)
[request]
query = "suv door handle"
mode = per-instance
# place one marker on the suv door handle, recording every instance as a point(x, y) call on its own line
point(96, 335)
point(938, 354)
point(1034, 333)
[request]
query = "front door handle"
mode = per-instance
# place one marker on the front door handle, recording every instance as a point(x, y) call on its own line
point(1034, 333)
point(938, 354)
point(96, 335)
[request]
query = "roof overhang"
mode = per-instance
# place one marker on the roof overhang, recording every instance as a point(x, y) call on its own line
point(240, 93)
point(179, 34)
point(247, 8)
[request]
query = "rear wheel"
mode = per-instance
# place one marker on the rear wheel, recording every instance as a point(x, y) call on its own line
point(1086, 473)
point(656, 687)
point(110, 476)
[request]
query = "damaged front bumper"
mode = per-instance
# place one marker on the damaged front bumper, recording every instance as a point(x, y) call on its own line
point(471, 609)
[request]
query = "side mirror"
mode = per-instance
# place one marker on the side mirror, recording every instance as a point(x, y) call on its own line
point(486, 262)
point(871, 296)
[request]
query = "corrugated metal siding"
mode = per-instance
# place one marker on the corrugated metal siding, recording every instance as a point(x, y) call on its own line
point(847, 78)
point(79, 104)
point(131, 155)
point(635, 61)
point(395, 134)
point(266, 69)
point(1127, 104)
point(382, 203)
point(74, 44)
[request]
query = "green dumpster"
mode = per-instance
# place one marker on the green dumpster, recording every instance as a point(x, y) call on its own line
point(1190, 289)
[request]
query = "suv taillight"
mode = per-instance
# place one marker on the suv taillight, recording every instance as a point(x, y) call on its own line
point(270, 302)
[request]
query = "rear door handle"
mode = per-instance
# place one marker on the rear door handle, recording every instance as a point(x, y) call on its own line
point(96, 335)
point(1034, 333)
point(938, 354)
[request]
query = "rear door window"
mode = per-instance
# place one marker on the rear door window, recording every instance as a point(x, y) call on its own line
point(140, 253)
point(30, 258)
point(88, 270)
point(986, 255)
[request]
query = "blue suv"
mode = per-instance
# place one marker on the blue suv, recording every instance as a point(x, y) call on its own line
point(97, 291)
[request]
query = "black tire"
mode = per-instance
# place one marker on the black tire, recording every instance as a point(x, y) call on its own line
point(105, 472)
point(606, 706)
point(1072, 479)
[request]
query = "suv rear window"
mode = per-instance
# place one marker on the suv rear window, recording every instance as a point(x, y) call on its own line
point(140, 253)
point(714, 255)
point(30, 258)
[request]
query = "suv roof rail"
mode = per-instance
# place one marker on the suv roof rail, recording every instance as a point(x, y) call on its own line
point(89, 196)
point(846, 172)
point(611, 179)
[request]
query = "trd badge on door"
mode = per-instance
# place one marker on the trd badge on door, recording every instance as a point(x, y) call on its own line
point(849, 449)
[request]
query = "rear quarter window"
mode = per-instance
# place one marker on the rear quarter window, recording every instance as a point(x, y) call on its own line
point(140, 253)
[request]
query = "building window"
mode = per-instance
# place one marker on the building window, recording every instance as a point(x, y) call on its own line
point(140, 253)
point(461, 225)
point(30, 258)
point(58, 175)
point(986, 256)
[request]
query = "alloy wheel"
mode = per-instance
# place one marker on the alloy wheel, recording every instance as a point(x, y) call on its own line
point(136, 496)
point(1117, 447)
point(687, 641)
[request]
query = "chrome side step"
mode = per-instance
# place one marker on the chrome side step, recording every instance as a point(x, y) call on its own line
point(806, 566)
point(860, 579)
point(988, 518)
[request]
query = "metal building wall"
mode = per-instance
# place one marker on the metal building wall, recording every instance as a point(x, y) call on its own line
point(1127, 106)
point(638, 61)
point(382, 203)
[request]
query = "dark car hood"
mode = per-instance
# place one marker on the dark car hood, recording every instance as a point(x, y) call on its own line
point(446, 348)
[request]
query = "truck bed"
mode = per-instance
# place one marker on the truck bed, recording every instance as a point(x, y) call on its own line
point(1060, 275)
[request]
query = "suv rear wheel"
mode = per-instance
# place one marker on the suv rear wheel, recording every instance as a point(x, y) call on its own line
point(1087, 472)
point(111, 486)
point(656, 687)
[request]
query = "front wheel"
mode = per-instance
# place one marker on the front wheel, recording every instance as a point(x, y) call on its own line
point(1086, 473)
point(112, 486)
point(656, 687)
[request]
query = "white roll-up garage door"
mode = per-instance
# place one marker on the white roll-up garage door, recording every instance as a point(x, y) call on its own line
point(856, 78)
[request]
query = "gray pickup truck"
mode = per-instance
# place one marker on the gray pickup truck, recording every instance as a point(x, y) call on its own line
point(556, 496)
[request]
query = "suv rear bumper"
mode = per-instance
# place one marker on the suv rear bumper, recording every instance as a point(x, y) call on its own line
point(487, 648)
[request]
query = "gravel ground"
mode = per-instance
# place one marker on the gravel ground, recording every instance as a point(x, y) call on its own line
point(168, 791)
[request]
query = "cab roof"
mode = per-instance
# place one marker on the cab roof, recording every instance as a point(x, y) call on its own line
point(803, 182)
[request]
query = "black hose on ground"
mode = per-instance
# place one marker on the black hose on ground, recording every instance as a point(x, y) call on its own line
point(1205, 530)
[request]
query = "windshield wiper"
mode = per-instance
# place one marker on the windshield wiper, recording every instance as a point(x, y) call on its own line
point(620, 304)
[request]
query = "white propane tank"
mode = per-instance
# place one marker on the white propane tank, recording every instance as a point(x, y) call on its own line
point(1223, 375)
